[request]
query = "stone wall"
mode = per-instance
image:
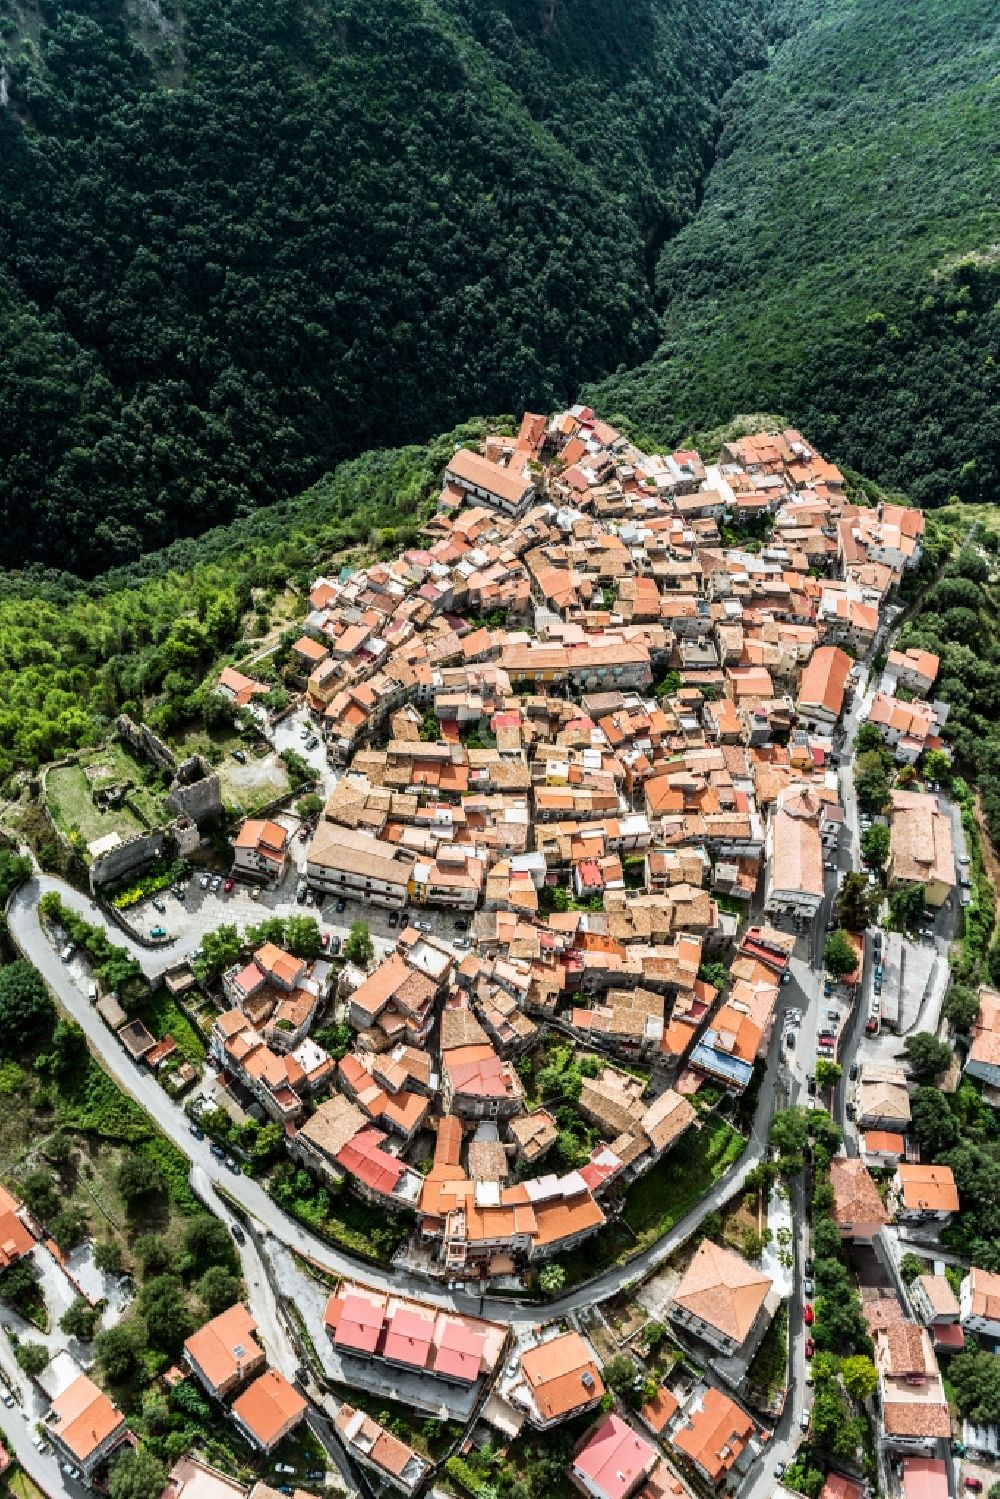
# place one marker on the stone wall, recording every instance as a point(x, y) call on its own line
point(142, 741)
point(133, 854)
point(201, 801)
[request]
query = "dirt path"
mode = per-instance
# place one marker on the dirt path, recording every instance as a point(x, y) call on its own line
point(990, 859)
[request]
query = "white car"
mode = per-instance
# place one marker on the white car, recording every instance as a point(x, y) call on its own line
point(206, 880)
point(67, 952)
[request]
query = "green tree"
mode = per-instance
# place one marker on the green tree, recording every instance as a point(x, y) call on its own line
point(927, 1056)
point(359, 947)
point(622, 1376)
point(867, 738)
point(164, 1310)
point(303, 937)
point(218, 1289)
point(79, 1320)
point(138, 1178)
point(309, 806)
point(208, 1242)
point(934, 1123)
point(40, 1190)
point(855, 903)
point(32, 1357)
point(961, 1007)
point(875, 844)
point(937, 766)
point(551, 1279)
point(219, 950)
point(906, 906)
point(910, 1266)
point(69, 1228)
point(839, 955)
point(137, 1474)
point(25, 1008)
point(20, 1284)
point(827, 1072)
point(975, 1379)
point(108, 1256)
point(152, 1253)
point(871, 781)
point(860, 1377)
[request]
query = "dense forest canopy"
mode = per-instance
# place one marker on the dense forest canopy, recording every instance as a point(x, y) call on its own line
point(241, 239)
point(843, 267)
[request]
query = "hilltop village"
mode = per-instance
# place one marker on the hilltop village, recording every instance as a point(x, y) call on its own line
point(616, 942)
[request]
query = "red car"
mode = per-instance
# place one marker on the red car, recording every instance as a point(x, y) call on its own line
point(807, 1314)
point(324, 941)
point(227, 887)
point(810, 1347)
point(974, 1485)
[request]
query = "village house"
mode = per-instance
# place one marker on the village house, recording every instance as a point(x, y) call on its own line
point(922, 1194)
point(224, 1353)
point(86, 1428)
point(558, 1379)
point(921, 847)
point(722, 1300)
point(268, 1410)
point(612, 1461)
point(979, 1305)
point(857, 1207)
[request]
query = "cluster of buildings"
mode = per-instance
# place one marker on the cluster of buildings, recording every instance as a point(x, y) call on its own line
point(592, 717)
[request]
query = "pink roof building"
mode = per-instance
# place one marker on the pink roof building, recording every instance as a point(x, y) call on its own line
point(408, 1338)
point(459, 1353)
point(612, 1461)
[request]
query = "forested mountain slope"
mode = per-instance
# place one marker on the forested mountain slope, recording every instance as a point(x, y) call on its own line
point(843, 267)
point(241, 239)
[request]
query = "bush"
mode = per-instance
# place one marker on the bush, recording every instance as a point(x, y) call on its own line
point(32, 1357)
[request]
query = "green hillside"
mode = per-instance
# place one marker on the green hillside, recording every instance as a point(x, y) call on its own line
point(241, 240)
point(843, 265)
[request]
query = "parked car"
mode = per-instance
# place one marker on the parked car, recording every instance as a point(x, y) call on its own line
point(461, 925)
point(255, 893)
point(871, 1026)
point(463, 942)
point(972, 1483)
point(216, 883)
point(878, 971)
point(240, 756)
point(423, 926)
point(305, 731)
point(233, 1165)
point(158, 933)
point(789, 1035)
point(197, 1131)
point(92, 992)
point(206, 880)
point(394, 918)
point(807, 1286)
point(7, 1399)
point(833, 1014)
point(827, 988)
point(341, 904)
point(779, 1469)
point(238, 1234)
point(335, 946)
point(310, 898)
point(807, 1264)
point(826, 1035)
point(811, 1087)
point(829, 863)
point(283, 1468)
point(68, 951)
point(786, 978)
point(805, 1420)
point(810, 1348)
point(157, 904)
point(808, 1314)
point(324, 940)
point(217, 1151)
point(228, 886)
point(853, 1072)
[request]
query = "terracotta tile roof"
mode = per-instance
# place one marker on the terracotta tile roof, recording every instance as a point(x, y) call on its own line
point(83, 1417)
point(225, 1346)
point(720, 1288)
point(856, 1198)
point(561, 1375)
point(268, 1406)
point(714, 1435)
point(927, 1187)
